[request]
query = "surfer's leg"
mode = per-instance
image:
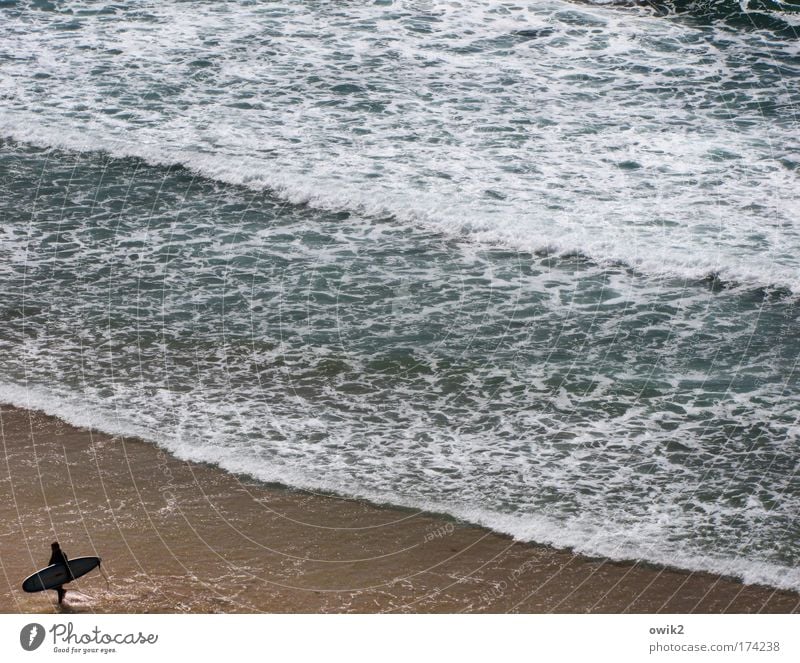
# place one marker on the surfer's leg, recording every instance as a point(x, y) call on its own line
point(61, 593)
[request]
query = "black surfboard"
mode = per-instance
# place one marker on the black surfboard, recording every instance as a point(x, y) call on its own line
point(58, 574)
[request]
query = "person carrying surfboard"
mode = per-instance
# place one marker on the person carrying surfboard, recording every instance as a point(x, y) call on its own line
point(59, 572)
point(58, 557)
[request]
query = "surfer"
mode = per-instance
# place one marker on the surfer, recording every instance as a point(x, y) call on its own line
point(58, 557)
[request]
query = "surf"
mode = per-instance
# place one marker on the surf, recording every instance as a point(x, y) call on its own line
point(447, 119)
point(453, 220)
point(534, 267)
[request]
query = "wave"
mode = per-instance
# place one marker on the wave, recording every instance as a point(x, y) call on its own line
point(770, 278)
point(613, 541)
point(644, 143)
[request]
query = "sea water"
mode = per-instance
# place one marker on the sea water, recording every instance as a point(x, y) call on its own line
point(532, 264)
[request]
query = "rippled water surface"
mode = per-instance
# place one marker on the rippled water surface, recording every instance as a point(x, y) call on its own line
point(534, 265)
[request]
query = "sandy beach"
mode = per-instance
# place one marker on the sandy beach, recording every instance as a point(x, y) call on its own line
point(177, 536)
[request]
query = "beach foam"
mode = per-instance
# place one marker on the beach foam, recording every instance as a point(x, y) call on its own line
point(237, 233)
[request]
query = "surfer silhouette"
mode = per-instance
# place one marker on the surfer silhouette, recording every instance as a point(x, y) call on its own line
point(58, 557)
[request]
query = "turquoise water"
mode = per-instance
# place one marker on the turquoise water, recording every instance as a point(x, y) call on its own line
point(533, 266)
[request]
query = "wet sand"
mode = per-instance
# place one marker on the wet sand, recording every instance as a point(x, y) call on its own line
point(185, 537)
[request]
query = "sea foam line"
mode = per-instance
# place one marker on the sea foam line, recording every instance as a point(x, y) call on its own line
point(453, 221)
point(577, 534)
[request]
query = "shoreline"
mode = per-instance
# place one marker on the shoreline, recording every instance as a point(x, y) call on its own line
point(178, 536)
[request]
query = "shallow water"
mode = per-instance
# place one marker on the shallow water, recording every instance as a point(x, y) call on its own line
point(533, 266)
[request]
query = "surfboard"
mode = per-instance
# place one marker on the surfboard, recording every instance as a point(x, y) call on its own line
point(58, 574)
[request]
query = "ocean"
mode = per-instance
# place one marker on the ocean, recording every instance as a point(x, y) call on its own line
point(535, 265)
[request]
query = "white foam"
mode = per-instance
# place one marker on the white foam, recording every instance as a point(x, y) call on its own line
point(594, 132)
point(641, 164)
point(649, 540)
